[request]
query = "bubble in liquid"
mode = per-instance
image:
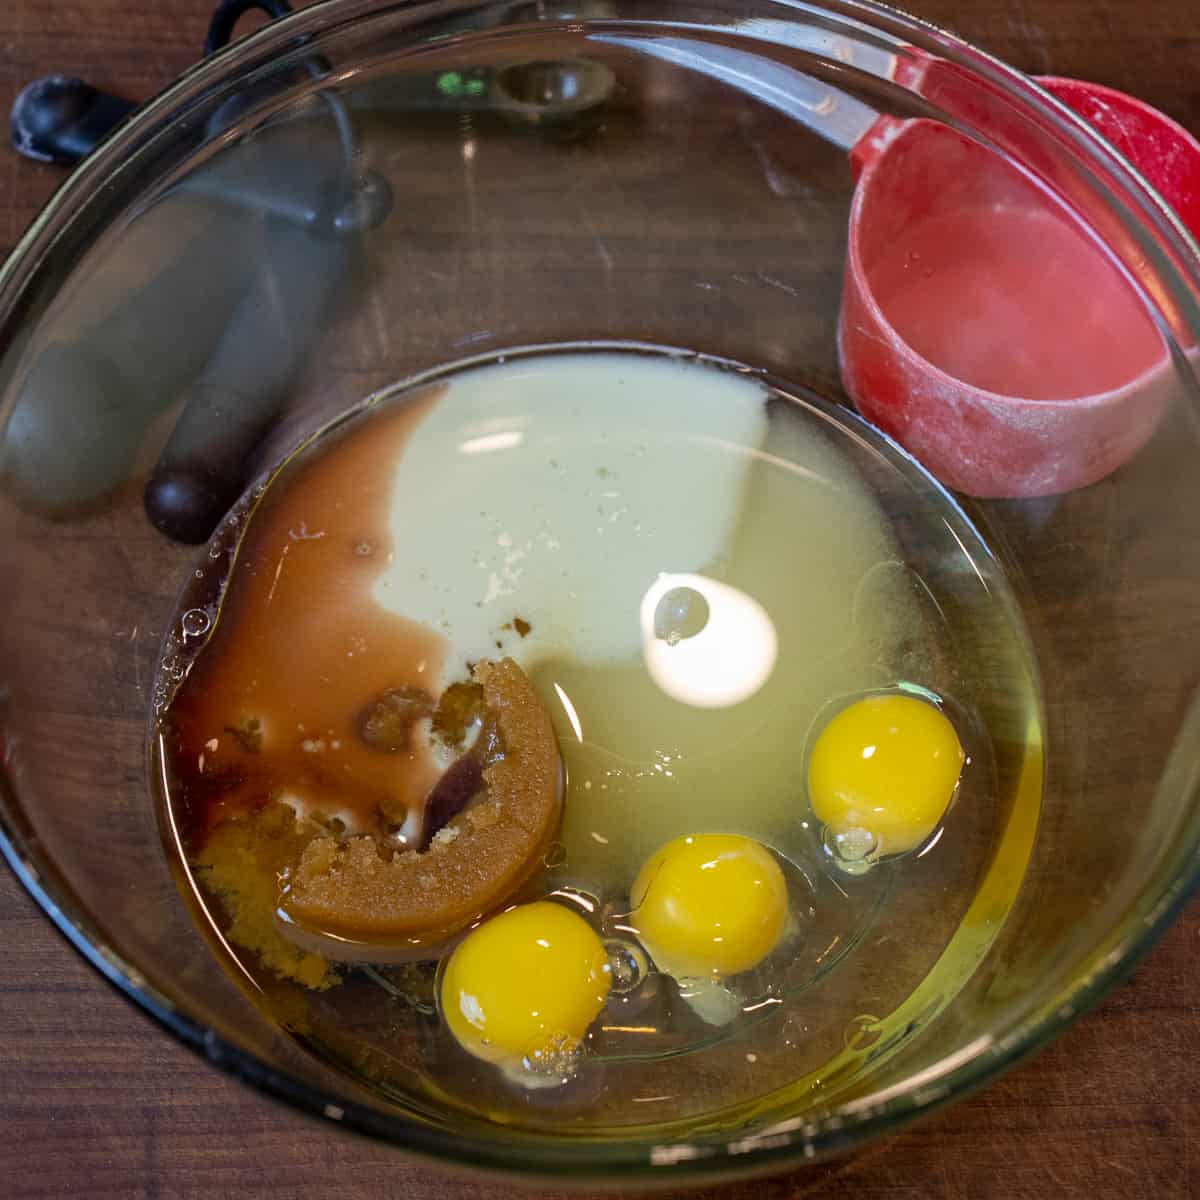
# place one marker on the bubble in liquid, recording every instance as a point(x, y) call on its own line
point(793, 1032)
point(195, 622)
point(627, 965)
point(363, 549)
point(681, 613)
point(852, 852)
point(550, 1062)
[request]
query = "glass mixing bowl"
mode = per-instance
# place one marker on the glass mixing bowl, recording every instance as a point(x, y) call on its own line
point(368, 190)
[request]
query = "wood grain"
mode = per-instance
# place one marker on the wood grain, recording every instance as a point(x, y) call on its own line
point(94, 1097)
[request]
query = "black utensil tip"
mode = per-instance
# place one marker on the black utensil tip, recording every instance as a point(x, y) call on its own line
point(61, 119)
point(185, 504)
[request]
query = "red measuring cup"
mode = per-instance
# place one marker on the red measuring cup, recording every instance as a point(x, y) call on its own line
point(983, 324)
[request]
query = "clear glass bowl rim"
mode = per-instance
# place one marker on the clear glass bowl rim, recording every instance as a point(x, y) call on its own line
point(1175, 255)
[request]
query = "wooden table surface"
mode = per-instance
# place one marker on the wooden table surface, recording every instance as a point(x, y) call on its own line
point(96, 1098)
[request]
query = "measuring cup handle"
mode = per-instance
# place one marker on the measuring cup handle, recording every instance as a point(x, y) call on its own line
point(874, 142)
point(909, 69)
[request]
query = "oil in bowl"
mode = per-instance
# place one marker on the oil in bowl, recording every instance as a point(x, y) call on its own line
point(596, 736)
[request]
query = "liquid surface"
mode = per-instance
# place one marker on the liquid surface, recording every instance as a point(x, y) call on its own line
point(694, 573)
point(299, 649)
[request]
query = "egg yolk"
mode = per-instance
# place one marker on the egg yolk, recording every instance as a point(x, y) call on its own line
point(710, 904)
point(886, 766)
point(522, 988)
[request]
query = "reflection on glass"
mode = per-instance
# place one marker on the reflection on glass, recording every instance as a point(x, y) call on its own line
point(723, 662)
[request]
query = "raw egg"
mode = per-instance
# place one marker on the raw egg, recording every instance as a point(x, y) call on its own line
point(710, 904)
point(521, 989)
point(883, 772)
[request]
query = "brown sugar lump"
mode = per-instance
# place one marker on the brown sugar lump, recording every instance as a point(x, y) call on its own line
point(358, 898)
